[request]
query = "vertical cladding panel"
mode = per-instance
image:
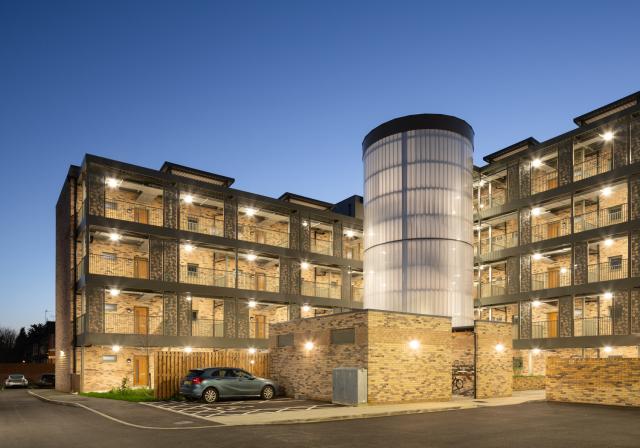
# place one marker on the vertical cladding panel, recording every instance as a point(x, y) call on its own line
point(621, 312)
point(635, 311)
point(293, 311)
point(286, 265)
point(525, 273)
point(170, 309)
point(294, 230)
point(171, 205)
point(94, 297)
point(525, 226)
point(621, 144)
point(513, 275)
point(155, 258)
point(565, 162)
point(580, 267)
point(635, 197)
point(170, 260)
point(525, 179)
point(346, 283)
point(525, 320)
point(513, 180)
point(418, 224)
point(635, 254)
point(634, 139)
point(184, 315)
point(565, 316)
point(230, 318)
point(242, 319)
point(230, 217)
point(96, 195)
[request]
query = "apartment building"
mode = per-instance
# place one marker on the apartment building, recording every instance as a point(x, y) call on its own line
point(176, 259)
point(557, 238)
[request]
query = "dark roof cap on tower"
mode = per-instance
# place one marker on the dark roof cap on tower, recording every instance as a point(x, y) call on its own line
point(419, 121)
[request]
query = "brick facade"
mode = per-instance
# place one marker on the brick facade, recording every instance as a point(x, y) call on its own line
point(494, 368)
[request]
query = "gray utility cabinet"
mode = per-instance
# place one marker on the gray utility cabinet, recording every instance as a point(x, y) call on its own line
point(349, 386)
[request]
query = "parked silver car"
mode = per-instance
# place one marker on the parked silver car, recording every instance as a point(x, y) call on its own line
point(16, 380)
point(213, 383)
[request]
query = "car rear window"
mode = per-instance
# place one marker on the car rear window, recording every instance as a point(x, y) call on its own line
point(16, 377)
point(194, 373)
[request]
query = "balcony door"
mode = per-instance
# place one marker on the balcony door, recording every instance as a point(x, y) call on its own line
point(141, 319)
point(552, 322)
point(260, 322)
point(553, 229)
point(140, 267)
point(141, 215)
point(554, 278)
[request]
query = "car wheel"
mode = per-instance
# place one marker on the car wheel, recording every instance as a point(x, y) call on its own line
point(268, 393)
point(210, 395)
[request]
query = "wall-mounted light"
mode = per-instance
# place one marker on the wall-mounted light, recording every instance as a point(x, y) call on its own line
point(188, 247)
point(537, 256)
point(187, 198)
point(414, 344)
point(608, 349)
point(188, 349)
point(252, 303)
point(188, 297)
point(252, 257)
point(308, 345)
point(607, 136)
point(608, 242)
point(251, 350)
point(536, 163)
point(606, 191)
point(113, 236)
point(536, 211)
point(115, 348)
point(499, 347)
point(112, 182)
point(250, 211)
point(128, 360)
point(608, 295)
point(536, 351)
point(305, 223)
point(304, 265)
point(349, 233)
point(114, 292)
point(306, 308)
point(536, 303)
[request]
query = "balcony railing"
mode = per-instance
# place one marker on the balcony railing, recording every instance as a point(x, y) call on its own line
point(211, 328)
point(551, 229)
point(263, 235)
point(591, 167)
point(551, 279)
point(109, 264)
point(207, 277)
point(600, 218)
point(495, 288)
point(258, 281)
point(544, 329)
point(258, 329)
point(320, 246)
point(498, 242)
point(496, 198)
point(133, 211)
point(609, 270)
point(544, 182)
point(592, 326)
point(132, 324)
point(202, 224)
point(357, 293)
point(321, 289)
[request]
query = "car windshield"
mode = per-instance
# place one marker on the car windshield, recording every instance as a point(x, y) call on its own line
point(16, 377)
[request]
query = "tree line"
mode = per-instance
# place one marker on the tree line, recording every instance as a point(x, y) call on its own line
point(18, 346)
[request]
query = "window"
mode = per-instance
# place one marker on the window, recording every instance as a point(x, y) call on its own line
point(615, 263)
point(109, 256)
point(110, 205)
point(343, 336)
point(109, 358)
point(194, 315)
point(615, 213)
point(285, 340)
point(192, 223)
point(111, 307)
point(192, 270)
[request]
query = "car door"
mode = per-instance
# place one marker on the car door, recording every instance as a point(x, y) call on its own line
point(228, 383)
point(247, 384)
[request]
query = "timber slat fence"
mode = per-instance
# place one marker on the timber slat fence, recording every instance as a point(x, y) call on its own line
point(171, 367)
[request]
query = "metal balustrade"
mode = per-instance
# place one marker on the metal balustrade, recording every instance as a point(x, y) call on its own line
point(551, 279)
point(202, 224)
point(544, 182)
point(117, 266)
point(496, 198)
point(131, 324)
point(497, 243)
point(544, 329)
point(321, 289)
point(495, 288)
point(197, 275)
point(609, 270)
point(615, 214)
point(212, 328)
point(551, 229)
point(592, 167)
point(133, 211)
point(592, 326)
point(320, 246)
point(263, 235)
point(258, 281)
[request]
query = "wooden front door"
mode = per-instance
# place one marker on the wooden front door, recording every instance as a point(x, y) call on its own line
point(261, 282)
point(141, 215)
point(140, 267)
point(554, 278)
point(552, 319)
point(553, 229)
point(140, 319)
point(261, 324)
point(141, 371)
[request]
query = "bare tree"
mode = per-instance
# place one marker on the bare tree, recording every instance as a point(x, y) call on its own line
point(7, 343)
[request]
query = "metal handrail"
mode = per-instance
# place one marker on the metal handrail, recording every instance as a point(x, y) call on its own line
point(272, 237)
point(321, 289)
point(544, 329)
point(591, 167)
point(540, 182)
point(606, 271)
point(592, 326)
point(320, 246)
point(129, 324)
point(132, 211)
point(498, 242)
point(494, 288)
point(207, 276)
point(205, 225)
point(258, 281)
point(541, 280)
point(540, 232)
point(212, 328)
point(615, 214)
point(118, 266)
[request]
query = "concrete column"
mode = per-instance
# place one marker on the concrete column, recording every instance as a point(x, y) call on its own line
point(513, 182)
point(171, 206)
point(565, 316)
point(170, 308)
point(525, 227)
point(580, 263)
point(230, 217)
point(525, 273)
point(621, 312)
point(94, 298)
point(525, 319)
point(525, 179)
point(95, 193)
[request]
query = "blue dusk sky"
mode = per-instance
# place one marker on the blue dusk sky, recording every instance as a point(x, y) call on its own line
point(275, 94)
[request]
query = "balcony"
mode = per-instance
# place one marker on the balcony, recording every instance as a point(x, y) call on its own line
point(116, 266)
point(258, 281)
point(614, 269)
point(544, 181)
point(321, 289)
point(551, 229)
point(495, 288)
point(258, 329)
point(544, 329)
point(206, 225)
point(196, 275)
point(592, 326)
point(591, 167)
point(211, 328)
point(601, 218)
point(133, 211)
point(553, 278)
point(263, 235)
point(133, 324)
point(357, 293)
point(321, 246)
point(495, 199)
point(497, 243)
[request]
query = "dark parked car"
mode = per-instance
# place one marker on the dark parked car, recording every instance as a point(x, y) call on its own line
point(47, 380)
point(213, 383)
point(16, 380)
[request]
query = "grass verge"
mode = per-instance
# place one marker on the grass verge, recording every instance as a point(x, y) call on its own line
point(125, 395)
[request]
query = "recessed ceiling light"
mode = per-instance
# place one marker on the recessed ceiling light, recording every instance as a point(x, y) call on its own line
point(414, 344)
point(537, 256)
point(188, 349)
point(114, 292)
point(304, 265)
point(349, 233)
point(536, 163)
point(536, 303)
point(608, 295)
point(606, 191)
point(252, 257)
point(608, 242)
point(308, 345)
point(112, 182)
point(607, 136)
point(537, 211)
point(113, 236)
point(188, 247)
point(252, 351)
point(608, 349)
point(252, 303)
point(536, 351)
point(250, 211)
point(187, 198)
point(306, 308)
point(115, 348)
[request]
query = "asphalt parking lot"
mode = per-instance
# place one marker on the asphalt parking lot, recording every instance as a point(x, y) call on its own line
point(244, 407)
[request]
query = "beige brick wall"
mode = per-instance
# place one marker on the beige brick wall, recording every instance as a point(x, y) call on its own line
point(395, 371)
point(528, 382)
point(599, 381)
point(494, 369)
